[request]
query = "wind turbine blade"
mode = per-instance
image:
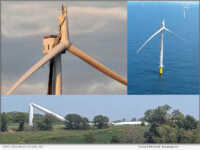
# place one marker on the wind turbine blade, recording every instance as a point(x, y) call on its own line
point(149, 39)
point(56, 50)
point(91, 61)
point(173, 33)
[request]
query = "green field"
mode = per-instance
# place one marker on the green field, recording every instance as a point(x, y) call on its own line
point(59, 135)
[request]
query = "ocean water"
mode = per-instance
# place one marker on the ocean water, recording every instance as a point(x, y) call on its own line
point(181, 58)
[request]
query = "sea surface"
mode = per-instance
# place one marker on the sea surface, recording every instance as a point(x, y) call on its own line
point(181, 58)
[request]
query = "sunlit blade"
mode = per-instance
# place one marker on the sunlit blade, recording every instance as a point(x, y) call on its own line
point(59, 48)
point(173, 33)
point(149, 39)
point(91, 61)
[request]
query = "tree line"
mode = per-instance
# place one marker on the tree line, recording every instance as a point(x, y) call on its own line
point(46, 122)
point(164, 126)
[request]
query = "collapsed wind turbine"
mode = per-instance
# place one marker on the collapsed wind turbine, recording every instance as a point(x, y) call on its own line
point(161, 30)
point(45, 110)
point(53, 47)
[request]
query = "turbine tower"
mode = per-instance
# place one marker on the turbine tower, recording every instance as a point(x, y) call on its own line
point(53, 47)
point(45, 110)
point(161, 30)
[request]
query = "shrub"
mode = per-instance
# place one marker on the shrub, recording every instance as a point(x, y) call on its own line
point(115, 139)
point(133, 135)
point(21, 126)
point(4, 122)
point(20, 118)
point(75, 121)
point(45, 124)
point(186, 136)
point(101, 121)
point(190, 123)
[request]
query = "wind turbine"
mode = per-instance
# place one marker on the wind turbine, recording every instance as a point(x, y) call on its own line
point(161, 30)
point(184, 12)
point(186, 8)
point(53, 47)
point(45, 110)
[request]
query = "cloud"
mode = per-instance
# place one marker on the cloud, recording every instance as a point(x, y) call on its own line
point(98, 31)
point(34, 88)
point(24, 19)
point(111, 87)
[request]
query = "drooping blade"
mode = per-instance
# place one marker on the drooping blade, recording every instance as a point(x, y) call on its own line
point(149, 39)
point(59, 48)
point(173, 33)
point(91, 61)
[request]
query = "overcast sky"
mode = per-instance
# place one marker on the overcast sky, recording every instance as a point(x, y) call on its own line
point(115, 107)
point(98, 28)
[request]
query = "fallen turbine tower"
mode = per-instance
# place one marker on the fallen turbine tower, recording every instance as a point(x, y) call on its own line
point(47, 111)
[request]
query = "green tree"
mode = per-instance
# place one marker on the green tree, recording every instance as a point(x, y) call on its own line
point(190, 123)
point(20, 118)
point(158, 115)
point(84, 123)
point(186, 136)
point(161, 134)
point(46, 123)
point(165, 134)
point(151, 133)
point(133, 119)
point(170, 128)
point(177, 119)
point(4, 122)
point(14, 116)
point(40, 125)
point(198, 125)
point(75, 121)
point(101, 121)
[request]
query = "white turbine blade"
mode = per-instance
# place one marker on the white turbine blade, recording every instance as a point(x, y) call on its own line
point(59, 48)
point(61, 118)
point(149, 39)
point(94, 63)
point(173, 33)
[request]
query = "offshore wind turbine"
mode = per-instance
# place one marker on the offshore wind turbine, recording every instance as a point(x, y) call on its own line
point(187, 8)
point(161, 30)
point(184, 12)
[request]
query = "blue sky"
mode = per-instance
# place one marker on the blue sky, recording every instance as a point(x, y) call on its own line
point(114, 106)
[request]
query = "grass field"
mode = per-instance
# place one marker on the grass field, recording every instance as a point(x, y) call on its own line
point(59, 135)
